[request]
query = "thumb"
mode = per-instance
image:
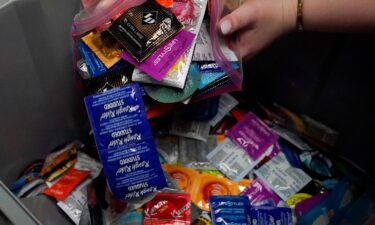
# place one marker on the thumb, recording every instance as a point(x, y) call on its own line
point(238, 19)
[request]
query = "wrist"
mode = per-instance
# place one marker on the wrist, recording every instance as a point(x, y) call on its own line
point(290, 14)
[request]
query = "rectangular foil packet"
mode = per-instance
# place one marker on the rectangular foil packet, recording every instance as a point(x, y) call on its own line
point(168, 209)
point(108, 53)
point(281, 177)
point(142, 29)
point(270, 215)
point(230, 210)
point(163, 59)
point(125, 142)
point(62, 188)
point(190, 13)
point(260, 194)
point(253, 135)
point(233, 161)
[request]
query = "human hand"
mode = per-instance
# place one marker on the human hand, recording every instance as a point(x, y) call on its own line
point(259, 23)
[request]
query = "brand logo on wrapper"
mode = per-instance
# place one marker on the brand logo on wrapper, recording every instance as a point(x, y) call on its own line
point(245, 143)
point(180, 213)
point(149, 18)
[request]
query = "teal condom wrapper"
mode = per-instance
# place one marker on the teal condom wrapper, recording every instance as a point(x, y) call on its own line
point(125, 142)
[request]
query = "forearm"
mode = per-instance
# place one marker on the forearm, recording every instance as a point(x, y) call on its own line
point(338, 15)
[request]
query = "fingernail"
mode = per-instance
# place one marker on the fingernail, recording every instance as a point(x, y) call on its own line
point(225, 27)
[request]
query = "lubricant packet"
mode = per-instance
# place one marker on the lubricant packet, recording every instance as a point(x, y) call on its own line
point(207, 185)
point(144, 28)
point(164, 58)
point(270, 215)
point(281, 177)
point(260, 194)
point(168, 209)
point(230, 210)
point(190, 13)
point(253, 135)
point(104, 46)
point(125, 142)
point(62, 188)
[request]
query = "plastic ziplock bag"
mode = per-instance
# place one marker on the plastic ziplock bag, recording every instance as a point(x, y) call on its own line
point(218, 9)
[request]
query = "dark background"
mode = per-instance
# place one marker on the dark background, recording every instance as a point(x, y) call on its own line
point(329, 77)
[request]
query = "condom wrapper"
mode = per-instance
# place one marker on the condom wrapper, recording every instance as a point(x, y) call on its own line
point(95, 67)
point(62, 188)
point(173, 95)
point(164, 58)
point(144, 28)
point(230, 210)
point(109, 80)
point(296, 198)
point(168, 209)
point(61, 170)
point(226, 104)
point(262, 215)
point(177, 75)
point(260, 194)
point(281, 177)
point(203, 219)
point(109, 55)
point(208, 185)
point(125, 142)
point(304, 206)
point(252, 135)
point(184, 177)
point(211, 72)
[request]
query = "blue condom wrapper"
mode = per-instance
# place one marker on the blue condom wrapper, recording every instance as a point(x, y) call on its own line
point(230, 210)
point(271, 215)
point(125, 142)
point(94, 65)
point(211, 72)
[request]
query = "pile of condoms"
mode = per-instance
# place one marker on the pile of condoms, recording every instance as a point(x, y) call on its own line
point(157, 155)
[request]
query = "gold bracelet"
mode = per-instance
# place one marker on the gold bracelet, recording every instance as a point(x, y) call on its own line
point(300, 16)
